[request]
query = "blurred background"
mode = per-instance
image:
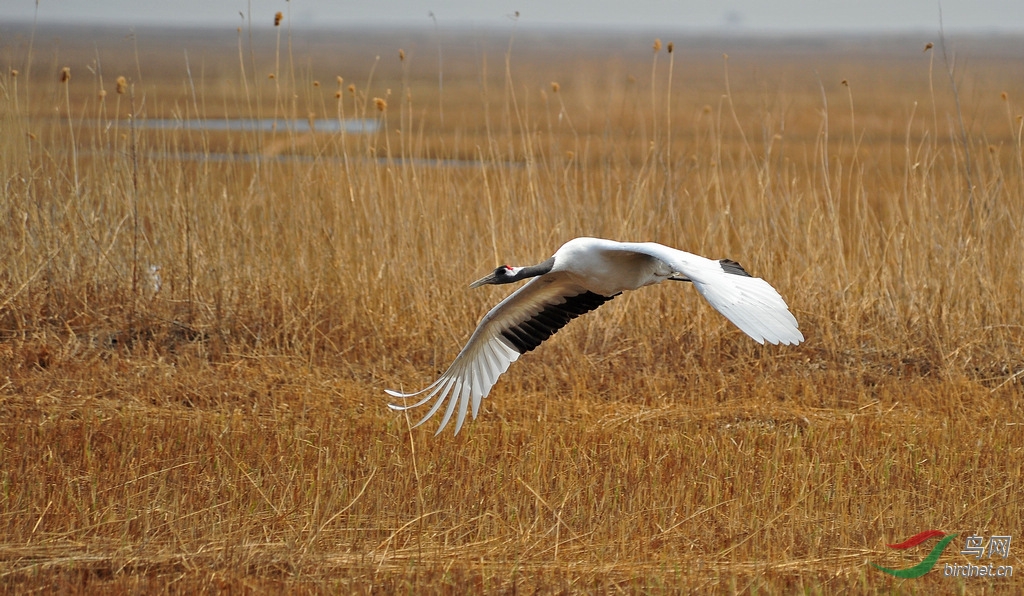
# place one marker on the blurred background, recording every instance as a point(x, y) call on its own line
point(735, 16)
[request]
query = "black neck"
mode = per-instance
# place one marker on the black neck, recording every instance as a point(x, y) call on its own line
point(534, 270)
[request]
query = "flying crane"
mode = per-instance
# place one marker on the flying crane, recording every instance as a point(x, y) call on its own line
point(582, 275)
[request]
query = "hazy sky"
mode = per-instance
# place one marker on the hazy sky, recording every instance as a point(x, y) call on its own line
point(765, 16)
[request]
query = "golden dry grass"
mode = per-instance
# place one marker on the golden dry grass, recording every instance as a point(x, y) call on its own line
point(228, 430)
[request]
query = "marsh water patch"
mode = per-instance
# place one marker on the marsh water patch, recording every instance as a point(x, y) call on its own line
point(353, 126)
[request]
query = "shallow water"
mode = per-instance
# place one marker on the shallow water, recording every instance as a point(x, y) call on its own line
point(355, 126)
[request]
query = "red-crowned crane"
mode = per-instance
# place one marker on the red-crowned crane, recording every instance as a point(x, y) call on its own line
point(582, 275)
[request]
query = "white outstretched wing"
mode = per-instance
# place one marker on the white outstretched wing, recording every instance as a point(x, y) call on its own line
point(749, 302)
point(518, 324)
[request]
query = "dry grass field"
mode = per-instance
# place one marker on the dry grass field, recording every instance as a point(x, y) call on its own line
point(197, 325)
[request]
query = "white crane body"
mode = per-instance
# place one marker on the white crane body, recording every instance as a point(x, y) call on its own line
point(583, 274)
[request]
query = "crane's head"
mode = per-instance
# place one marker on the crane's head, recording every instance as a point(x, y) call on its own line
point(505, 274)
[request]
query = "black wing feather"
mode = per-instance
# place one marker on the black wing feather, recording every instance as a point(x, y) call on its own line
point(527, 335)
point(730, 266)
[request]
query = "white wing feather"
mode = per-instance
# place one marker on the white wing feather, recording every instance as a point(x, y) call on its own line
point(751, 303)
point(488, 354)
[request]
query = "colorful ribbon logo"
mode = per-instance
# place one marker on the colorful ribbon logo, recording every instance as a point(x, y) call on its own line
point(924, 566)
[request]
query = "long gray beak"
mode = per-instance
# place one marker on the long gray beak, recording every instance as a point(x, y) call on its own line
point(490, 278)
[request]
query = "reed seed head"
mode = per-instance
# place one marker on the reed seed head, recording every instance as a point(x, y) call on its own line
point(14, 73)
point(671, 46)
point(316, 83)
point(352, 88)
point(657, 45)
point(380, 103)
point(555, 87)
point(1004, 96)
point(337, 94)
point(844, 83)
point(122, 85)
point(65, 74)
point(928, 46)
point(278, 17)
point(103, 93)
point(401, 55)
point(271, 76)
